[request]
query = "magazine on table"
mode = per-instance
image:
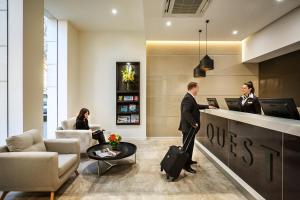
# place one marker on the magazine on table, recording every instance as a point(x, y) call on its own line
point(106, 153)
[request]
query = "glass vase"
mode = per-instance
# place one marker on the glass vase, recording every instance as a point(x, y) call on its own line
point(127, 86)
point(114, 145)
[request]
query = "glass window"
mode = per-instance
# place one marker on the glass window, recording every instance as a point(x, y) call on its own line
point(50, 76)
point(3, 71)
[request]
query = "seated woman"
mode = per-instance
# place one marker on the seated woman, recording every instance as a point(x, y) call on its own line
point(248, 101)
point(82, 123)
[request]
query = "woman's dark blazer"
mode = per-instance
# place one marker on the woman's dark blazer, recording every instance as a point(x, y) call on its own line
point(82, 124)
point(251, 105)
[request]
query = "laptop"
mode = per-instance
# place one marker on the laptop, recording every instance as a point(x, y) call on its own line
point(213, 102)
point(233, 104)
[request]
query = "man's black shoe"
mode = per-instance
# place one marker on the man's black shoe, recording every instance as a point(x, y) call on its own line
point(189, 169)
point(193, 162)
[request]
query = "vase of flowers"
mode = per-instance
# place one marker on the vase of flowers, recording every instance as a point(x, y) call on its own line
point(114, 140)
point(128, 74)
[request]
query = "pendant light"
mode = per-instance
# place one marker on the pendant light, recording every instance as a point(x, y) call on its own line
point(206, 63)
point(198, 72)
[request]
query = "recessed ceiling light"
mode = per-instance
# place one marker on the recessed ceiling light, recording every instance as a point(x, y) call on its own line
point(234, 32)
point(168, 23)
point(114, 11)
point(279, 0)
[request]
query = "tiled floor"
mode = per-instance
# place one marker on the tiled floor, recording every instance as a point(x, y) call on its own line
point(144, 180)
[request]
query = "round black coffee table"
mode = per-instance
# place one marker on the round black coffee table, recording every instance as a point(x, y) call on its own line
point(126, 149)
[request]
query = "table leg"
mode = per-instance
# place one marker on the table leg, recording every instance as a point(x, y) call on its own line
point(99, 168)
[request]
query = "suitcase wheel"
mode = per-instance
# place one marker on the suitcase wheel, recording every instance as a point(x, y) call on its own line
point(161, 169)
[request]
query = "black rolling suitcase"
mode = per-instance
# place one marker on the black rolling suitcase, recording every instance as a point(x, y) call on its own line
point(175, 159)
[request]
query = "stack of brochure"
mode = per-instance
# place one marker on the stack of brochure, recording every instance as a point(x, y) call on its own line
point(106, 153)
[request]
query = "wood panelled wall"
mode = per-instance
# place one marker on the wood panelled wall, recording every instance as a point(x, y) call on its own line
point(280, 77)
point(169, 69)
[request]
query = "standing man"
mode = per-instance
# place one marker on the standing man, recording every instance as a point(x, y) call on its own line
point(190, 117)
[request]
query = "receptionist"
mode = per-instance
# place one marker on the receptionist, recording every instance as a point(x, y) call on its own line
point(248, 101)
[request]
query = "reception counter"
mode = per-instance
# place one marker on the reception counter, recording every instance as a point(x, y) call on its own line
point(261, 151)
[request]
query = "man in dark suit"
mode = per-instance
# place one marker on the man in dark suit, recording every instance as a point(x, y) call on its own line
point(190, 117)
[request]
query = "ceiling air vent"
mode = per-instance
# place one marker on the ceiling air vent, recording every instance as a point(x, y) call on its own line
point(185, 8)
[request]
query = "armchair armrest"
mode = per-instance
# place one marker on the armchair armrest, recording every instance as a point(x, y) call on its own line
point(28, 171)
point(63, 146)
point(74, 132)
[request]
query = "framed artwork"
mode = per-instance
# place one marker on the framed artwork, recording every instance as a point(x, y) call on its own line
point(120, 98)
point(124, 108)
point(135, 118)
point(132, 108)
point(128, 105)
point(128, 98)
point(123, 119)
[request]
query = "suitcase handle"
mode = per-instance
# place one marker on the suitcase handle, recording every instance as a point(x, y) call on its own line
point(188, 136)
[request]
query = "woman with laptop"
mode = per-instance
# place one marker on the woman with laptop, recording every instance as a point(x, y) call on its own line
point(82, 123)
point(248, 101)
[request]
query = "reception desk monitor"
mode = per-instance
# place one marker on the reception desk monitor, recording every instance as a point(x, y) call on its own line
point(233, 104)
point(285, 108)
point(213, 102)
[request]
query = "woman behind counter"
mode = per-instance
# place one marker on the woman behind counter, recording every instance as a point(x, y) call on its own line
point(82, 123)
point(248, 101)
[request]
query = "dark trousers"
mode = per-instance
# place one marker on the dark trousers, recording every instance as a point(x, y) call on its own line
point(98, 135)
point(189, 146)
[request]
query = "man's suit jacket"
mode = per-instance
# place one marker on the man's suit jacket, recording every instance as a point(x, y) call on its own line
point(190, 114)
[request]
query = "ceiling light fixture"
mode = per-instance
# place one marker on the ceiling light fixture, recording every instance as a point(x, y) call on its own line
point(168, 23)
point(235, 32)
point(279, 1)
point(198, 72)
point(206, 63)
point(114, 11)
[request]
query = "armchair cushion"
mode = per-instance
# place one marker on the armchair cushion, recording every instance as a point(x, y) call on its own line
point(28, 141)
point(69, 124)
point(65, 162)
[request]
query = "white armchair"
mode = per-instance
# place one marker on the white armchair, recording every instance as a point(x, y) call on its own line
point(67, 130)
point(30, 164)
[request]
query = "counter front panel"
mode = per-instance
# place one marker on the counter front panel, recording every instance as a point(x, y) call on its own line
point(259, 156)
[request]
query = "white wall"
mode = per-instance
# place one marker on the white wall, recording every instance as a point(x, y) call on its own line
point(99, 52)
point(278, 38)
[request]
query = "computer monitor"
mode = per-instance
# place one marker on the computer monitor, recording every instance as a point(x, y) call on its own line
point(233, 104)
point(285, 108)
point(213, 102)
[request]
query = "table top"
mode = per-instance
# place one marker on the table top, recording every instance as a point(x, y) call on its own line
point(289, 126)
point(126, 149)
